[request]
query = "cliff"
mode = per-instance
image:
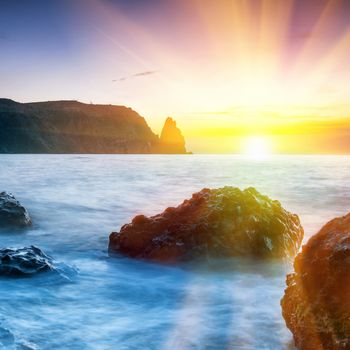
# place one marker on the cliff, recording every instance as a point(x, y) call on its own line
point(171, 137)
point(74, 127)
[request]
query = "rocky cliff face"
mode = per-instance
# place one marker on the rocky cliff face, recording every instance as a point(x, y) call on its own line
point(74, 127)
point(171, 137)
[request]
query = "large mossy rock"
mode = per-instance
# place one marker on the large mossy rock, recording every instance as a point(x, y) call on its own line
point(222, 222)
point(12, 213)
point(316, 303)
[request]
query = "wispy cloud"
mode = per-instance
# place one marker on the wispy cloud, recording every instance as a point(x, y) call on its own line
point(140, 74)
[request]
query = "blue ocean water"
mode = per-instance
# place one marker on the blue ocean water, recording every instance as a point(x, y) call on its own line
point(75, 201)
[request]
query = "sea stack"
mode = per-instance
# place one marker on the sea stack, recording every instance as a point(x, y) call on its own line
point(316, 303)
point(171, 138)
point(223, 222)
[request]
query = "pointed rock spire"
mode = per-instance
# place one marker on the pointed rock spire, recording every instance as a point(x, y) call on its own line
point(171, 138)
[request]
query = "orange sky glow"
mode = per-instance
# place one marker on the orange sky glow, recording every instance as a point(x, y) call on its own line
point(225, 70)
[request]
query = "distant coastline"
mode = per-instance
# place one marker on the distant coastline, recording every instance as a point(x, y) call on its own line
point(72, 127)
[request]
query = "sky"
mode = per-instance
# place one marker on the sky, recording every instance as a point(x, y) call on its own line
point(227, 70)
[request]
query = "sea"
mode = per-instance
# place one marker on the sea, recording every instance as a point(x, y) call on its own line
point(101, 302)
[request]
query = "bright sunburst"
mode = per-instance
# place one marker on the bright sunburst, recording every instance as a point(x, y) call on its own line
point(257, 147)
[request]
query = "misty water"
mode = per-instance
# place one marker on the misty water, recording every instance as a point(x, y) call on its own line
point(98, 302)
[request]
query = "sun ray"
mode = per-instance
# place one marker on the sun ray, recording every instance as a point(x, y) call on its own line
point(311, 46)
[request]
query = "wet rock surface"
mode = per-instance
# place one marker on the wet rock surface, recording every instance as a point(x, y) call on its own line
point(25, 261)
point(316, 303)
point(222, 222)
point(12, 213)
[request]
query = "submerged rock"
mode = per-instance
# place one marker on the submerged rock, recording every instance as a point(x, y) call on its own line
point(316, 303)
point(24, 261)
point(12, 213)
point(222, 222)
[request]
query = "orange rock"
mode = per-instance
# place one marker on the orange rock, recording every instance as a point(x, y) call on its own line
point(316, 304)
point(220, 222)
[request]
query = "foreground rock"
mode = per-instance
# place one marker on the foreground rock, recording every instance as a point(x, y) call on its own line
point(12, 213)
point(24, 261)
point(222, 222)
point(316, 304)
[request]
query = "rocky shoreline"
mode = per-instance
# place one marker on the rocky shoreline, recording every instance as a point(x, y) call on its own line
point(229, 222)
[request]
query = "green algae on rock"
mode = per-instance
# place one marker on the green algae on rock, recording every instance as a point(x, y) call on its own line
point(223, 222)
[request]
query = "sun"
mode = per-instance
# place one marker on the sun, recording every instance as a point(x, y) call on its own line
point(257, 147)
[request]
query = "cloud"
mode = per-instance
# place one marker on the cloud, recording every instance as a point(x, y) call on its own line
point(145, 73)
point(140, 74)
